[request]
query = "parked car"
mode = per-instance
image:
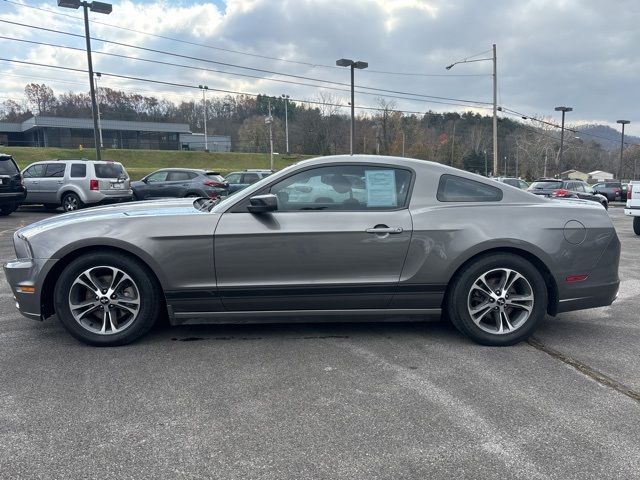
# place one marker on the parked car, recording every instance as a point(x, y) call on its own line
point(426, 239)
point(612, 190)
point(239, 180)
point(12, 190)
point(556, 188)
point(180, 182)
point(76, 183)
point(514, 182)
point(632, 208)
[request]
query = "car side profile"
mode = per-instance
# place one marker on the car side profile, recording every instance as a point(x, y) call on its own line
point(240, 180)
point(12, 189)
point(612, 190)
point(423, 240)
point(514, 182)
point(74, 184)
point(180, 182)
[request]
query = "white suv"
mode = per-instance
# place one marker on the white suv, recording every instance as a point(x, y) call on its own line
point(632, 207)
point(76, 183)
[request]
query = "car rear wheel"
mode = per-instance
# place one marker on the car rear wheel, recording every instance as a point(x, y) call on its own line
point(8, 209)
point(107, 299)
point(636, 225)
point(498, 299)
point(71, 202)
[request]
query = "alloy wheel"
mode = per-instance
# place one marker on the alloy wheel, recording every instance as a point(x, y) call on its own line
point(70, 203)
point(104, 300)
point(500, 301)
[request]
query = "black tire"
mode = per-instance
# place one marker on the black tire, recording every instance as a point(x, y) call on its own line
point(605, 204)
point(71, 202)
point(461, 290)
point(148, 295)
point(8, 209)
point(636, 225)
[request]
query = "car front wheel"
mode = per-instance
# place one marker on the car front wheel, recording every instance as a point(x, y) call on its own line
point(107, 299)
point(498, 299)
point(8, 209)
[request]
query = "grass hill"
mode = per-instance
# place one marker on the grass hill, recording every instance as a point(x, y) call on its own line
point(141, 162)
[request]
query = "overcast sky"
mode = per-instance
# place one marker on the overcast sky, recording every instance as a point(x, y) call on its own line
point(584, 54)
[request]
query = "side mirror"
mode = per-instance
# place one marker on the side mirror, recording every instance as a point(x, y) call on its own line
point(263, 203)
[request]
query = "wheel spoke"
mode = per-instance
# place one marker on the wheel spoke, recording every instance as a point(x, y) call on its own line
point(479, 312)
point(481, 284)
point(504, 317)
point(127, 308)
point(497, 316)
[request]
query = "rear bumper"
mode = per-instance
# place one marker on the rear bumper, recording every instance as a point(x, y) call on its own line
point(632, 211)
point(11, 197)
point(590, 297)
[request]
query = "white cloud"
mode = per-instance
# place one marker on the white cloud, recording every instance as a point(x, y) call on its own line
point(550, 52)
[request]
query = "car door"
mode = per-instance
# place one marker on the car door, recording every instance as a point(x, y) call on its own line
point(32, 177)
point(177, 184)
point(332, 252)
point(155, 184)
point(52, 182)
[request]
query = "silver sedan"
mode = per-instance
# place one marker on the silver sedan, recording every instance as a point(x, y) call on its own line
point(333, 238)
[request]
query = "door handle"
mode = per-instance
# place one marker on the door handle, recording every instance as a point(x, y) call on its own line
point(60, 182)
point(379, 230)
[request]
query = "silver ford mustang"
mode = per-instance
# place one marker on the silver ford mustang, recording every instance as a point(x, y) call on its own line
point(337, 238)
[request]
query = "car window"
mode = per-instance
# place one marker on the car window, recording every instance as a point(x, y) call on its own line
point(78, 170)
point(344, 187)
point(35, 171)
point(511, 181)
point(579, 187)
point(546, 185)
point(157, 177)
point(458, 189)
point(55, 170)
point(250, 178)
point(8, 166)
point(523, 185)
point(233, 178)
point(177, 176)
point(109, 170)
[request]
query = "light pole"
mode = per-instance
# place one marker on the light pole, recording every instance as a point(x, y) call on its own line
point(269, 121)
point(494, 59)
point(204, 89)
point(563, 110)
point(97, 7)
point(98, 75)
point(345, 62)
point(286, 120)
point(623, 123)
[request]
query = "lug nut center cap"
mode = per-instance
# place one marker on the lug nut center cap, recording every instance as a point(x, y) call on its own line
point(104, 300)
point(501, 301)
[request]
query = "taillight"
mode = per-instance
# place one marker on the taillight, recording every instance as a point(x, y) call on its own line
point(213, 183)
point(560, 192)
point(94, 184)
point(616, 190)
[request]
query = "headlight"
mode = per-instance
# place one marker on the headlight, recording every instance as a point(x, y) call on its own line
point(22, 247)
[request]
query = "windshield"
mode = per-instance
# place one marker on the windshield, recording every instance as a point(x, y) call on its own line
point(545, 185)
point(109, 170)
point(7, 167)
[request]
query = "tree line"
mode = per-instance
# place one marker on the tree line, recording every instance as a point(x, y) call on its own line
point(463, 140)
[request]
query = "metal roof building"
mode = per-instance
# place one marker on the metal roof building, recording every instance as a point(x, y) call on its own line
point(64, 132)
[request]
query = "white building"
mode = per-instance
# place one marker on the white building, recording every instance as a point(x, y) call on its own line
point(600, 176)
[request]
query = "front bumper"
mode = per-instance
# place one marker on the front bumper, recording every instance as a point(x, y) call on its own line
point(632, 211)
point(23, 272)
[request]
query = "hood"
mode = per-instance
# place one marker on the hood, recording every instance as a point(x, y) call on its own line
point(167, 207)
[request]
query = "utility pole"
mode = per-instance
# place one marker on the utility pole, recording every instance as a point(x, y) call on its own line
point(623, 123)
point(204, 89)
point(486, 173)
point(98, 75)
point(453, 140)
point(345, 62)
point(286, 120)
point(403, 143)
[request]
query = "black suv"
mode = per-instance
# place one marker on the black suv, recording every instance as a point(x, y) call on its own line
point(557, 188)
point(12, 190)
point(612, 190)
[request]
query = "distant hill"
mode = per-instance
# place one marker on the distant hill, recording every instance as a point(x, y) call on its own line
point(607, 137)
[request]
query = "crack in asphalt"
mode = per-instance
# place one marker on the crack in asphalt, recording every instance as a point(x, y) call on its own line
point(592, 373)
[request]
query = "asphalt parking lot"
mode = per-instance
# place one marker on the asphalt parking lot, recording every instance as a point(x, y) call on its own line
point(325, 401)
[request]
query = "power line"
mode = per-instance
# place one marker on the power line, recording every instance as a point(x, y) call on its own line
point(271, 72)
point(238, 52)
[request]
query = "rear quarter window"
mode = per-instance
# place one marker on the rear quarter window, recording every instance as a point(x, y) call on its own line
point(8, 166)
point(458, 189)
point(109, 170)
point(78, 170)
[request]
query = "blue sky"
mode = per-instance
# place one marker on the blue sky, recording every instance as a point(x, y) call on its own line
point(550, 52)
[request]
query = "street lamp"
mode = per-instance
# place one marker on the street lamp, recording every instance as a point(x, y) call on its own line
point(269, 121)
point(623, 123)
point(345, 62)
point(97, 7)
point(286, 120)
point(204, 89)
point(563, 110)
point(494, 59)
point(98, 75)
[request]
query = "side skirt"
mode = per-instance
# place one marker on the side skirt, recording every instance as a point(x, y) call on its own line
point(304, 316)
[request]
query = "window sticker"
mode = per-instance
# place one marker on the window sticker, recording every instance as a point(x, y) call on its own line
point(381, 188)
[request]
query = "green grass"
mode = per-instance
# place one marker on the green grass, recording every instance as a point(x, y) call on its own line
point(141, 162)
